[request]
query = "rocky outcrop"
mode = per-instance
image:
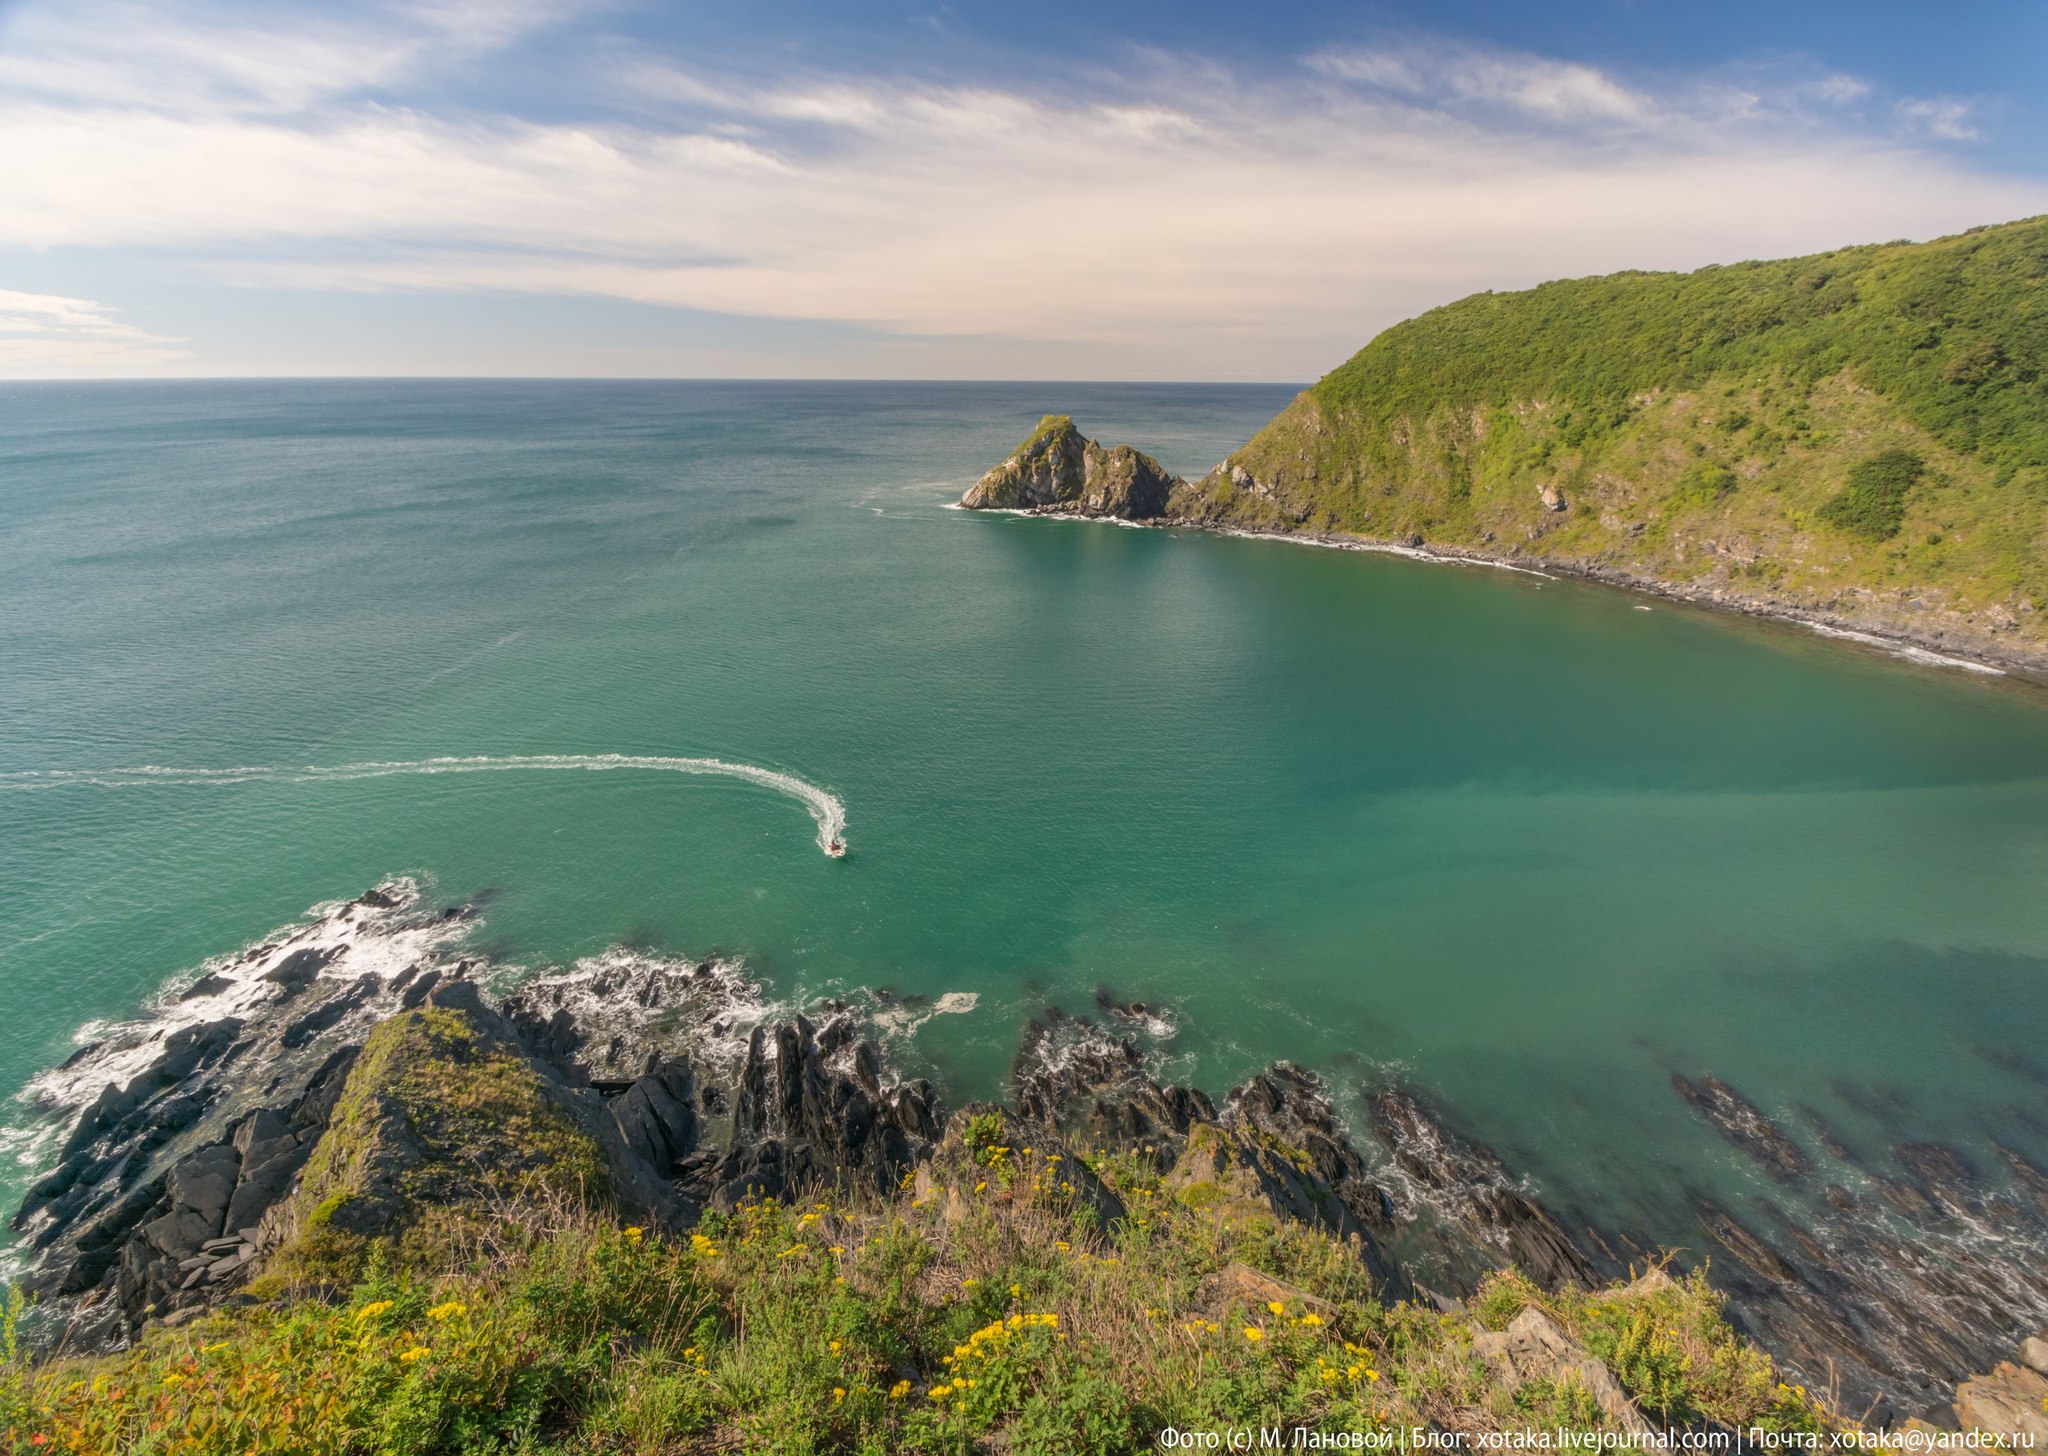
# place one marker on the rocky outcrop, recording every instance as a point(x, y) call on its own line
point(1092, 1086)
point(2010, 1403)
point(1743, 1123)
point(1536, 1347)
point(812, 1108)
point(1470, 1186)
point(197, 1123)
point(1058, 470)
point(333, 1086)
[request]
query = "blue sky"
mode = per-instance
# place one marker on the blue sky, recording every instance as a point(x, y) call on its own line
point(1104, 190)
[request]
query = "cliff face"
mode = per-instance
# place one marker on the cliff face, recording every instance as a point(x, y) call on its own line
point(1059, 471)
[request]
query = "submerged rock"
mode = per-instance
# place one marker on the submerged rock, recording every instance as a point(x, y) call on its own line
point(1058, 469)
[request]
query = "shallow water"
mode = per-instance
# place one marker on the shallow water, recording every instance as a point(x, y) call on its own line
point(1533, 845)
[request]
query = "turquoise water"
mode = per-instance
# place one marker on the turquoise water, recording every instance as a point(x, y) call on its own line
point(1527, 842)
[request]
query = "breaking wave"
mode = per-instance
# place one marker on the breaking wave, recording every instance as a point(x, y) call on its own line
point(824, 806)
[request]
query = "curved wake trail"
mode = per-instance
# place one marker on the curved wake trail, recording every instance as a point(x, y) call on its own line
point(824, 807)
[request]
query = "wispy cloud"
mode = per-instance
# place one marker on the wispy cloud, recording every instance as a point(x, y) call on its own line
point(1214, 222)
point(1940, 117)
point(1536, 86)
point(45, 334)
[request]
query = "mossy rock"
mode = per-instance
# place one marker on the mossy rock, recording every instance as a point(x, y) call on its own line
point(443, 1118)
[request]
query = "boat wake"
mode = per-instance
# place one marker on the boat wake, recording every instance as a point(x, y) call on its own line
point(824, 807)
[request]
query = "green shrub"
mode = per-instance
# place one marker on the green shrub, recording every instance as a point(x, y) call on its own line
point(1872, 504)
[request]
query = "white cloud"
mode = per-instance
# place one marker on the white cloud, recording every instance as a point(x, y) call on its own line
point(206, 55)
point(1176, 213)
point(42, 335)
point(1558, 91)
point(1938, 117)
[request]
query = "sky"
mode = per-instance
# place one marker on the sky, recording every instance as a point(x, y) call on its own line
point(1067, 189)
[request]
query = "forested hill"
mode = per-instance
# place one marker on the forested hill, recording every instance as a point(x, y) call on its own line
point(1861, 434)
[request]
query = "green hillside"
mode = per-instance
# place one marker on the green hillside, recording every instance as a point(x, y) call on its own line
point(1861, 433)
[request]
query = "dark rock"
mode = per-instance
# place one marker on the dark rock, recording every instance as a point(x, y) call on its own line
point(1743, 1123)
point(656, 1117)
point(1094, 1089)
point(302, 968)
point(1471, 1183)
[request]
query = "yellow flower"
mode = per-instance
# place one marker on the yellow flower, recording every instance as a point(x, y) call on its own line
point(174, 1380)
point(1016, 1291)
point(838, 1394)
point(1254, 1334)
point(900, 1389)
point(417, 1352)
point(835, 1347)
point(981, 1185)
point(1311, 1318)
point(635, 1233)
point(371, 1311)
point(1276, 1306)
point(940, 1392)
point(446, 1311)
point(1372, 1375)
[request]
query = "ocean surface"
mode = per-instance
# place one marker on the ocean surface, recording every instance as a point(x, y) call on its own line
point(1521, 840)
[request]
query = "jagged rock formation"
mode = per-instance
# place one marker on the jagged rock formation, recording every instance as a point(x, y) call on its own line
point(1468, 1181)
point(347, 1083)
point(1058, 470)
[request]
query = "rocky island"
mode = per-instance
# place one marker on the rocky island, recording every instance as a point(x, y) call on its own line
point(1857, 440)
point(354, 1190)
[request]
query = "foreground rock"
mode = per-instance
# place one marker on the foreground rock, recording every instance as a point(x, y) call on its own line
point(1059, 470)
point(348, 1084)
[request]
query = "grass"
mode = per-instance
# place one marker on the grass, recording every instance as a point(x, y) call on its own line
point(1743, 426)
point(999, 1319)
point(438, 1121)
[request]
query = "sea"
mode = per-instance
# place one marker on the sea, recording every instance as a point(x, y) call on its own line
point(617, 661)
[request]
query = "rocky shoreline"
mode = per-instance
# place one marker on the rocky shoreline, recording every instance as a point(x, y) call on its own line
point(1058, 472)
point(197, 1142)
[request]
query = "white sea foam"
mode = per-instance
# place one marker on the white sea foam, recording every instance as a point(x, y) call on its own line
point(1902, 649)
point(383, 943)
point(824, 806)
point(898, 1020)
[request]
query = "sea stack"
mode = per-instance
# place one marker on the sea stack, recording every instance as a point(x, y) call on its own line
point(1060, 471)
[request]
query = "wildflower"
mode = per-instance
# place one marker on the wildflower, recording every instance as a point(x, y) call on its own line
point(372, 1311)
point(1372, 1375)
point(1276, 1307)
point(1254, 1334)
point(634, 1233)
point(835, 1347)
point(1062, 1245)
point(213, 1349)
point(838, 1394)
point(900, 1389)
point(1016, 1291)
point(174, 1380)
point(838, 1249)
point(417, 1352)
point(446, 1311)
point(981, 1185)
point(940, 1392)
point(1311, 1318)
point(969, 1283)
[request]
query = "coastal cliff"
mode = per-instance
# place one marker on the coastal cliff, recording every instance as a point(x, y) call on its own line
point(1857, 439)
point(337, 1197)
